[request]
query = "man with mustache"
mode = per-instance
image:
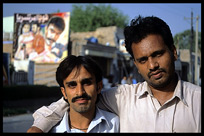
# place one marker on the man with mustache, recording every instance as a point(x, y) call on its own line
point(163, 102)
point(80, 81)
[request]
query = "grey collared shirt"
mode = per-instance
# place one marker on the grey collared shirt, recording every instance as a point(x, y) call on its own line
point(140, 111)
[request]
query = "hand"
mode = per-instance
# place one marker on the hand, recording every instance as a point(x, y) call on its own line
point(34, 129)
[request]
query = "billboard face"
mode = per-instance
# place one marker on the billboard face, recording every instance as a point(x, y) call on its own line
point(41, 37)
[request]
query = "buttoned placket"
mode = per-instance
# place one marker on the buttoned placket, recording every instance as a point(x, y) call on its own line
point(164, 115)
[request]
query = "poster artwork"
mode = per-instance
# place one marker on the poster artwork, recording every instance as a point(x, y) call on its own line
point(41, 37)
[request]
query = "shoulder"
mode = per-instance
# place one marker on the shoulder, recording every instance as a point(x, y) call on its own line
point(21, 37)
point(132, 89)
point(190, 88)
point(126, 88)
point(109, 116)
point(191, 93)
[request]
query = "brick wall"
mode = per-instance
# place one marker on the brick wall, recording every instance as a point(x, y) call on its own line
point(44, 74)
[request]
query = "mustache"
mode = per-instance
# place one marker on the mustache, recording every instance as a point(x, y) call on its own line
point(85, 96)
point(157, 70)
point(49, 39)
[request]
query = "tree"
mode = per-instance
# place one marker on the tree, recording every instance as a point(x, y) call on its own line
point(183, 40)
point(89, 17)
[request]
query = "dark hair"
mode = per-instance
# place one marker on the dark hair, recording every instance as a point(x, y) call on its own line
point(26, 23)
point(57, 22)
point(36, 22)
point(69, 63)
point(141, 27)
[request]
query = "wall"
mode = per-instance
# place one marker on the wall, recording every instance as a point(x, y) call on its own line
point(44, 74)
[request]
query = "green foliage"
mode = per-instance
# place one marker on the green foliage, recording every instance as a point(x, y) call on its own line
point(183, 40)
point(89, 17)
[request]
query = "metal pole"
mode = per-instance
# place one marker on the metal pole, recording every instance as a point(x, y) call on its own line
point(191, 50)
point(196, 53)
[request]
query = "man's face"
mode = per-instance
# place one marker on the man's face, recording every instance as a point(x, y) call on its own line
point(154, 60)
point(34, 28)
point(52, 34)
point(80, 90)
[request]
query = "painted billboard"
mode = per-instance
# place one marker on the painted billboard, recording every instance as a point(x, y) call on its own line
point(42, 38)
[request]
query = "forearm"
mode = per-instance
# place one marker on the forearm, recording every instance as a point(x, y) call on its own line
point(34, 129)
point(48, 116)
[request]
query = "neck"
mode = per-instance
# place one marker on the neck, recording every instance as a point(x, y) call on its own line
point(165, 93)
point(81, 121)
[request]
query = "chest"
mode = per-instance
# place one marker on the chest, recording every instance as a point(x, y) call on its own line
point(146, 115)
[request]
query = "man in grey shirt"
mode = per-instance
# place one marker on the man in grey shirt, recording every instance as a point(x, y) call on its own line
point(162, 103)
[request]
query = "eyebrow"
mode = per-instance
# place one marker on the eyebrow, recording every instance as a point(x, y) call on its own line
point(82, 81)
point(157, 52)
point(142, 58)
point(153, 55)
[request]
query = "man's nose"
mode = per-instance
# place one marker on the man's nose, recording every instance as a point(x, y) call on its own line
point(52, 35)
point(80, 90)
point(152, 64)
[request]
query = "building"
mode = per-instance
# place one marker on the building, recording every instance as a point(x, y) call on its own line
point(105, 45)
point(187, 75)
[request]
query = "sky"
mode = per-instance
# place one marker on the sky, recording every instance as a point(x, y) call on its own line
point(176, 15)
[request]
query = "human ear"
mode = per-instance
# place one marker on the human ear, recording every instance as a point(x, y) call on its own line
point(63, 92)
point(136, 66)
point(99, 87)
point(174, 53)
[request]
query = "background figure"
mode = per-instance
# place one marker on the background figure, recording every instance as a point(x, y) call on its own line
point(131, 80)
point(25, 43)
point(134, 81)
point(38, 42)
point(124, 80)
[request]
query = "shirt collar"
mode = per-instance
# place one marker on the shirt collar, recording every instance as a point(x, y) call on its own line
point(64, 125)
point(178, 92)
point(99, 118)
point(143, 90)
